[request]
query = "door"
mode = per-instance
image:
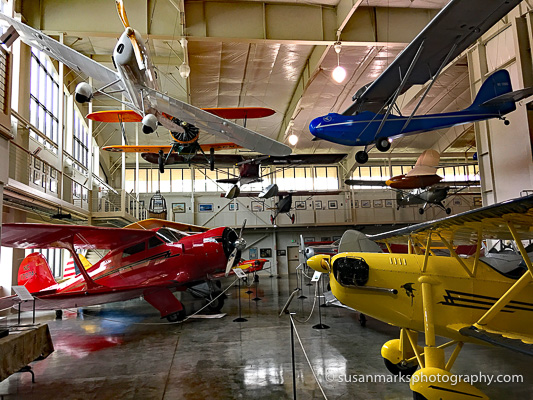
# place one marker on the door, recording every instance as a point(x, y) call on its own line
point(293, 257)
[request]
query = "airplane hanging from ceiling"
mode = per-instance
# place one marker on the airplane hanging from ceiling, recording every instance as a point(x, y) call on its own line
point(135, 78)
point(184, 146)
point(370, 120)
point(467, 299)
point(420, 185)
point(150, 258)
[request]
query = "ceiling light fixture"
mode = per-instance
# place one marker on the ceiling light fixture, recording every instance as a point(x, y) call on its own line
point(339, 73)
point(184, 68)
point(293, 139)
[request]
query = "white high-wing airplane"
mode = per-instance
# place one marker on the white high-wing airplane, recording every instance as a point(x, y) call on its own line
point(135, 77)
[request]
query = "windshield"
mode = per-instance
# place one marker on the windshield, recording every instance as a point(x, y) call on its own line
point(170, 235)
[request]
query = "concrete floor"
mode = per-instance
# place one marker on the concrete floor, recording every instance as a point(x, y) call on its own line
point(123, 351)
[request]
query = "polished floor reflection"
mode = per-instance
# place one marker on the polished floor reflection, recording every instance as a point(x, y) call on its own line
point(124, 351)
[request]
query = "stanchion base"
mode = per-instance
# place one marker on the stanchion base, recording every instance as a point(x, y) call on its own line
point(302, 297)
point(309, 284)
point(320, 326)
point(248, 292)
point(256, 298)
point(240, 319)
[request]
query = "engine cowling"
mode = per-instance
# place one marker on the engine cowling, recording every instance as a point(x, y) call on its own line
point(149, 123)
point(351, 271)
point(83, 93)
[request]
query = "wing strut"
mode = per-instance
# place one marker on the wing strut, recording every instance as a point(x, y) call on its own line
point(433, 79)
point(91, 284)
point(400, 88)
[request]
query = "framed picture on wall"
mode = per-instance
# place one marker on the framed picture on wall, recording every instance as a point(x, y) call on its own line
point(333, 205)
point(53, 173)
point(258, 206)
point(335, 238)
point(378, 203)
point(366, 203)
point(37, 177)
point(309, 239)
point(318, 204)
point(477, 201)
point(234, 206)
point(178, 207)
point(282, 253)
point(300, 205)
point(205, 207)
point(252, 253)
point(355, 204)
point(37, 163)
point(265, 253)
point(325, 239)
point(389, 203)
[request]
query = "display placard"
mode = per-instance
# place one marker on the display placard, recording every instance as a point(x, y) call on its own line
point(239, 272)
point(22, 292)
point(316, 276)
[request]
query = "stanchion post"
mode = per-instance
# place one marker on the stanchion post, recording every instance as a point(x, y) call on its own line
point(240, 319)
point(320, 325)
point(293, 358)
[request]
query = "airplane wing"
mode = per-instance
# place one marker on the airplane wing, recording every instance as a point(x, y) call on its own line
point(362, 182)
point(247, 266)
point(165, 148)
point(509, 340)
point(463, 228)
point(152, 223)
point(215, 125)
point(295, 193)
point(71, 58)
point(48, 236)
point(459, 23)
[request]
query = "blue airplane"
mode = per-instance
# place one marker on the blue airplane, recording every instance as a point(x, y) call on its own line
point(494, 100)
point(369, 118)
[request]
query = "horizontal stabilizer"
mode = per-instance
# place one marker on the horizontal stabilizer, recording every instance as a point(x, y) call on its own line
point(498, 340)
point(241, 112)
point(515, 96)
point(233, 181)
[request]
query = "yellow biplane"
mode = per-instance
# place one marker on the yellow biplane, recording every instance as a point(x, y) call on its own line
point(467, 299)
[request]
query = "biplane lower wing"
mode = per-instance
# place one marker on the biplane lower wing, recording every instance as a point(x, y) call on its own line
point(502, 339)
point(166, 148)
point(152, 223)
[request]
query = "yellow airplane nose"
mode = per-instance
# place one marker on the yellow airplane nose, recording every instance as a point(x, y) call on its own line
point(388, 182)
point(320, 263)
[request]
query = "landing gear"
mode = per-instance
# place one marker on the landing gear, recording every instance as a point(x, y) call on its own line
point(361, 157)
point(161, 161)
point(177, 316)
point(448, 211)
point(421, 211)
point(216, 305)
point(212, 159)
point(383, 144)
point(59, 314)
point(400, 368)
point(362, 320)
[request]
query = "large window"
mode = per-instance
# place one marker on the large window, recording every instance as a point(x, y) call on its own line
point(44, 96)
point(80, 143)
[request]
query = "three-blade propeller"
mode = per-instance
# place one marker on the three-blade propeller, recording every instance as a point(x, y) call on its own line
point(130, 33)
point(240, 245)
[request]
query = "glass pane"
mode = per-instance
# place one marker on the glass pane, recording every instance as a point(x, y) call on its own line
point(199, 180)
point(187, 181)
point(177, 182)
point(164, 181)
point(155, 180)
point(130, 180)
point(143, 188)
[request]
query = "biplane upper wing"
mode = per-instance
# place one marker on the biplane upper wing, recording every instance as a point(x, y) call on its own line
point(165, 148)
point(490, 222)
point(71, 58)
point(215, 125)
point(458, 25)
point(47, 236)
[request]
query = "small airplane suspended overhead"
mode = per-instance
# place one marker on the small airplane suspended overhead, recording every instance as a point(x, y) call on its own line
point(475, 299)
point(150, 258)
point(370, 120)
point(136, 79)
point(250, 170)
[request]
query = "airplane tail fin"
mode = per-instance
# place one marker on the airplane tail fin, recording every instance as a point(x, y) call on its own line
point(355, 241)
point(35, 274)
point(499, 83)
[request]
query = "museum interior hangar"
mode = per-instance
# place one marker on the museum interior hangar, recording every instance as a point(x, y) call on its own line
point(276, 55)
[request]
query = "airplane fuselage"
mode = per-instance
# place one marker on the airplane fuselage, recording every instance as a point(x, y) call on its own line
point(428, 196)
point(363, 129)
point(406, 182)
point(457, 299)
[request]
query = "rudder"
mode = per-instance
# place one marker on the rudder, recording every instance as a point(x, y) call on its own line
point(34, 273)
point(495, 85)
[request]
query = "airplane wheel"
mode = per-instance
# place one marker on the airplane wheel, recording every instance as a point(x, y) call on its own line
point(397, 369)
point(418, 396)
point(293, 217)
point(161, 162)
point(272, 220)
point(421, 211)
point(362, 320)
point(217, 305)
point(361, 157)
point(383, 144)
point(212, 159)
point(397, 208)
point(506, 122)
point(448, 211)
point(177, 316)
point(59, 314)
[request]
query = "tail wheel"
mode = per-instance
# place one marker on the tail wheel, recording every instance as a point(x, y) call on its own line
point(161, 163)
point(361, 157)
point(383, 144)
point(177, 316)
point(421, 211)
point(448, 211)
point(400, 368)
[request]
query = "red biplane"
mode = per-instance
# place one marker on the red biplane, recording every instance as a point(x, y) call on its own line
point(151, 258)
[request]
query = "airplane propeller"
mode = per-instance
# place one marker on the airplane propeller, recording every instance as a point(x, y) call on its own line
point(130, 33)
point(240, 245)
